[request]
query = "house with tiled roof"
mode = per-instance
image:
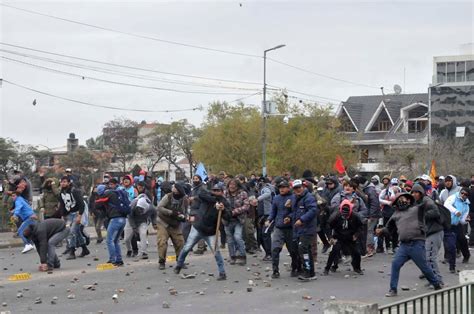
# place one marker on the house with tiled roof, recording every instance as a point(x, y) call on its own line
point(376, 124)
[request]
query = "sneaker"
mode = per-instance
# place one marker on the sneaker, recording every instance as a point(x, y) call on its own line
point(325, 249)
point(267, 258)
point(161, 266)
point(222, 276)
point(294, 273)
point(391, 293)
point(465, 260)
point(307, 277)
point(232, 261)
point(84, 252)
point(129, 253)
point(438, 286)
point(359, 271)
point(144, 256)
point(177, 269)
point(326, 272)
point(421, 276)
point(57, 265)
point(27, 248)
point(118, 263)
point(276, 274)
point(135, 254)
point(242, 261)
point(333, 268)
point(452, 270)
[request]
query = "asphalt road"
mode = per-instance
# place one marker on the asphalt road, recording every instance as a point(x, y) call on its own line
point(141, 287)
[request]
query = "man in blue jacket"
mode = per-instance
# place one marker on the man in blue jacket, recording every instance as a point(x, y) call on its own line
point(305, 211)
point(280, 216)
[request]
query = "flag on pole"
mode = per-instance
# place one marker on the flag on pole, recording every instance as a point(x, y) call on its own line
point(433, 171)
point(201, 171)
point(339, 165)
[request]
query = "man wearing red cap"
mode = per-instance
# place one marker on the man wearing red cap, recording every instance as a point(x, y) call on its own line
point(347, 226)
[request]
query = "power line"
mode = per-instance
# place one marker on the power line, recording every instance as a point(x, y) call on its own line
point(321, 75)
point(132, 34)
point(128, 66)
point(95, 105)
point(120, 83)
point(245, 97)
point(121, 73)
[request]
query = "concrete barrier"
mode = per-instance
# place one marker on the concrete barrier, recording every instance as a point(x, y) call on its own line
point(350, 307)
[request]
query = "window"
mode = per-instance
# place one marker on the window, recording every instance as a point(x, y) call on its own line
point(384, 125)
point(441, 72)
point(460, 71)
point(450, 72)
point(470, 71)
point(417, 126)
point(364, 156)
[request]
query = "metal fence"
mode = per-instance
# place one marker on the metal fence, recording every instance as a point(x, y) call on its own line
point(452, 300)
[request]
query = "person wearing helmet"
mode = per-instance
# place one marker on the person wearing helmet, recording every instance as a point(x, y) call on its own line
point(408, 220)
point(346, 226)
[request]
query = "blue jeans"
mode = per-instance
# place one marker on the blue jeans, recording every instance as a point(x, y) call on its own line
point(22, 228)
point(193, 238)
point(75, 238)
point(235, 240)
point(449, 241)
point(114, 230)
point(414, 250)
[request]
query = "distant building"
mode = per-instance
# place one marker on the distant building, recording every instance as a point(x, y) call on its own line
point(377, 124)
point(452, 98)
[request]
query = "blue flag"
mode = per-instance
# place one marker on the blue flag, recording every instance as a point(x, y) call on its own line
point(201, 171)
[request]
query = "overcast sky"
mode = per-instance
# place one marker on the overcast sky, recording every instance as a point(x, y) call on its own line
point(363, 42)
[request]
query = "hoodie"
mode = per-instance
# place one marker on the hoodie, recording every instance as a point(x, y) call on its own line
point(408, 222)
point(456, 204)
point(43, 231)
point(265, 199)
point(445, 193)
point(378, 185)
point(432, 214)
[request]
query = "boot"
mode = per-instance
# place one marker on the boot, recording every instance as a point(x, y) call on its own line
point(222, 276)
point(84, 252)
point(242, 260)
point(72, 254)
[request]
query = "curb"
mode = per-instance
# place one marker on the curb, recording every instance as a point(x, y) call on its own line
point(17, 242)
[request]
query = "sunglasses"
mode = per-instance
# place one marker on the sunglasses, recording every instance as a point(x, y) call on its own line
point(464, 193)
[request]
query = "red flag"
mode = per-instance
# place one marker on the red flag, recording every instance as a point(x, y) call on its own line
point(339, 165)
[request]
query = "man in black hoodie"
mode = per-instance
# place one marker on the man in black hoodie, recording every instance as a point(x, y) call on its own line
point(194, 202)
point(71, 205)
point(204, 221)
point(46, 235)
point(434, 228)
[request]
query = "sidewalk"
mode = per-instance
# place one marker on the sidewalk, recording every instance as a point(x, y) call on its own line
point(7, 240)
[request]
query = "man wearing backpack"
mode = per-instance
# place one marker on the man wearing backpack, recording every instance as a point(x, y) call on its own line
point(458, 205)
point(171, 213)
point(71, 206)
point(434, 228)
point(116, 205)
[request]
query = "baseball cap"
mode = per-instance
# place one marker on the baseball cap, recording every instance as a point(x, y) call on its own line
point(394, 181)
point(68, 170)
point(283, 183)
point(426, 177)
point(297, 183)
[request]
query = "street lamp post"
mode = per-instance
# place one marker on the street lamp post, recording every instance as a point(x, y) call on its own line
point(264, 110)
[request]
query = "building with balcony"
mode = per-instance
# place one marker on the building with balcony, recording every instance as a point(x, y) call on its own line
point(378, 124)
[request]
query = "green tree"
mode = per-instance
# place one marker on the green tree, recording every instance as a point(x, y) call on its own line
point(121, 138)
point(95, 143)
point(231, 139)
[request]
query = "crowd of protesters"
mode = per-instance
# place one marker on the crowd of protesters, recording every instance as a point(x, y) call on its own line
point(353, 217)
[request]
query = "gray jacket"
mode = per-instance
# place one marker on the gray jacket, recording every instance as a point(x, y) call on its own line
point(443, 196)
point(265, 198)
point(409, 224)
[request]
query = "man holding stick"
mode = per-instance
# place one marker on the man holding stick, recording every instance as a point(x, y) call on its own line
point(206, 223)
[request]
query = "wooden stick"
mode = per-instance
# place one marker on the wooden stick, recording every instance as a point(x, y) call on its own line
point(218, 227)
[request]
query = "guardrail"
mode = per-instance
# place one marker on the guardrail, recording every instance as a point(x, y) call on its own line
point(452, 300)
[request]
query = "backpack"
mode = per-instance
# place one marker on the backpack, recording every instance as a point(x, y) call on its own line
point(445, 215)
point(123, 205)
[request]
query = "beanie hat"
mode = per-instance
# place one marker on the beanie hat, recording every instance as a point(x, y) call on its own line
point(101, 189)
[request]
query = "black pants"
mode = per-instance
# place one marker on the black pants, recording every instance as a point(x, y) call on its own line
point(461, 241)
point(362, 240)
point(305, 253)
point(347, 248)
point(282, 237)
point(264, 238)
point(471, 235)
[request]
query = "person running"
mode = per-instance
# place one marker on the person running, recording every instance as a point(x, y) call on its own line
point(305, 211)
point(204, 221)
point(198, 186)
point(346, 228)
point(171, 213)
point(408, 220)
point(46, 235)
point(239, 205)
point(24, 212)
point(264, 206)
point(282, 234)
point(458, 205)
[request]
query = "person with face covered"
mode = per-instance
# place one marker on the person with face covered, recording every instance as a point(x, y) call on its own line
point(239, 205)
point(194, 202)
point(409, 221)
point(171, 213)
point(346, 228)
